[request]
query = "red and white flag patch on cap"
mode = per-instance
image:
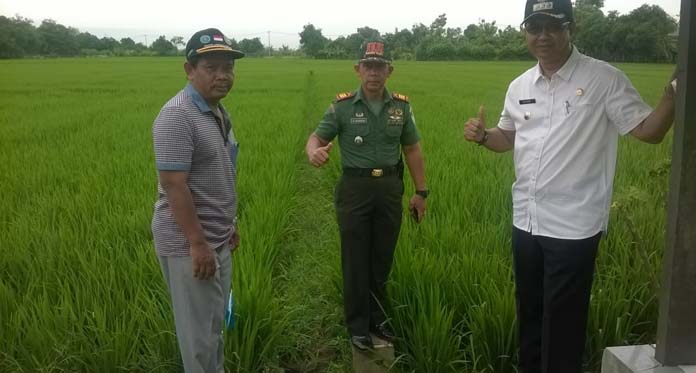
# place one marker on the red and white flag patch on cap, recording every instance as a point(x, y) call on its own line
point(375, 48)
point(218, 38)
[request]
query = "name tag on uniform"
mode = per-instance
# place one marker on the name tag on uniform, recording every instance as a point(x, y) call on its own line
point(528, 101)
point(358, 120)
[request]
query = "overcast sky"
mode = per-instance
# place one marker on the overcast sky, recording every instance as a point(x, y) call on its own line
point(144, 20)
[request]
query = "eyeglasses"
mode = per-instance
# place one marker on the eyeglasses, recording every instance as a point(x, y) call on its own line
point(535, 28)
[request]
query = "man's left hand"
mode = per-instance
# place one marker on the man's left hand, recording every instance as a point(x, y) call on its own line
point(418, 204)
point(234, 240)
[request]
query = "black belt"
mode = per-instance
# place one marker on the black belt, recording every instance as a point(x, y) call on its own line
point(371, 172)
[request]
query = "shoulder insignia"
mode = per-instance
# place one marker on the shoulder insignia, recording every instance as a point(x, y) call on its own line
point(400, 97)
point(344, 96)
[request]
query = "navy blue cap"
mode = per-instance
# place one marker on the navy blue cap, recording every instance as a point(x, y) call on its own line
point(210, 40)
point(561, 10)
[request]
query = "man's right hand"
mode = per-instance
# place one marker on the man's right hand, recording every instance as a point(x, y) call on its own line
point(475, 128)
point(203, 259)
point(319, 156)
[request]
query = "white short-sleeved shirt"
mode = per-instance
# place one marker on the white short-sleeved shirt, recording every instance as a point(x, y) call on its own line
point(566, 137)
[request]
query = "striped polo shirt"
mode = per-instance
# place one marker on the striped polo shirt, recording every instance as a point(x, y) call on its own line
point(188, 137)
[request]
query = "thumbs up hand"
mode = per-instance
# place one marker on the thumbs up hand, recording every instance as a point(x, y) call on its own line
point(474, 128)
point(320, 155)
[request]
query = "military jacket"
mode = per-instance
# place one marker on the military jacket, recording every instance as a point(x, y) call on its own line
point(368, 140)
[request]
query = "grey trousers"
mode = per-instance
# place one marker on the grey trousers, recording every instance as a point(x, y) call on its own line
point(199, 310)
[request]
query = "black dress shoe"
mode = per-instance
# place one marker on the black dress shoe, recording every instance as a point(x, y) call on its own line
point(361, 342)
point(383, 331)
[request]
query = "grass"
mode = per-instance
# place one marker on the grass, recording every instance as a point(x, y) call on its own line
point(80, 289)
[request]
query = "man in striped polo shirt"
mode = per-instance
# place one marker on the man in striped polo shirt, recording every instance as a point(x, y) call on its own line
point(193, 223)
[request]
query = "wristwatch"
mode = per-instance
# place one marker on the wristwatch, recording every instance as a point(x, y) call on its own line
point(423, 193)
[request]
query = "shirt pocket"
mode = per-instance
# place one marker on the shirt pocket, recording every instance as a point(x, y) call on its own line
point(394, 131)
point(357, 127)
point(580, 105)
point(395, 126)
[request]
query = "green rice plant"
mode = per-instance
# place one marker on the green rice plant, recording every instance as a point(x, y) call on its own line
point(81, 289)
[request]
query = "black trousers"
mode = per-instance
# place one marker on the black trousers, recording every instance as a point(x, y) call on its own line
point(369, 219)
point(553, 279)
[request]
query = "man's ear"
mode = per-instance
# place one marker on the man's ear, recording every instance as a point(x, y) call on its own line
point(391, 69)
point(356, 67)
point(571, 29)
point(188, 69)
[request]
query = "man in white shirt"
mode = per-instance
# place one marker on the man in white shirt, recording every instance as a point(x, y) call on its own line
point(562, 118)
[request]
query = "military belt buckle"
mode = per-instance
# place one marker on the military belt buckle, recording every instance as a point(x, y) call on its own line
point(377, 172)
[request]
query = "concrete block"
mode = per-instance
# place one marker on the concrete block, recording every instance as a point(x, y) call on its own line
point(634, 359)
point(378, 360)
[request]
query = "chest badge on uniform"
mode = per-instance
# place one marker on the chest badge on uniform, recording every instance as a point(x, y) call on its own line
point(358, 118)
point(358, 140)
point(395, 120)
point(579, 92)
point(527, 115)
point(396, 117)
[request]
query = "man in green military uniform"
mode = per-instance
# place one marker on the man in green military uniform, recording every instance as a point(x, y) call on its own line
point(373, 127)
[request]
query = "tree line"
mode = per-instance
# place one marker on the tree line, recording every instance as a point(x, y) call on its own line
point(20, 38)
point(646, 34)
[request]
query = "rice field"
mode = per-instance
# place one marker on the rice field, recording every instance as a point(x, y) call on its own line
point(81, 290)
